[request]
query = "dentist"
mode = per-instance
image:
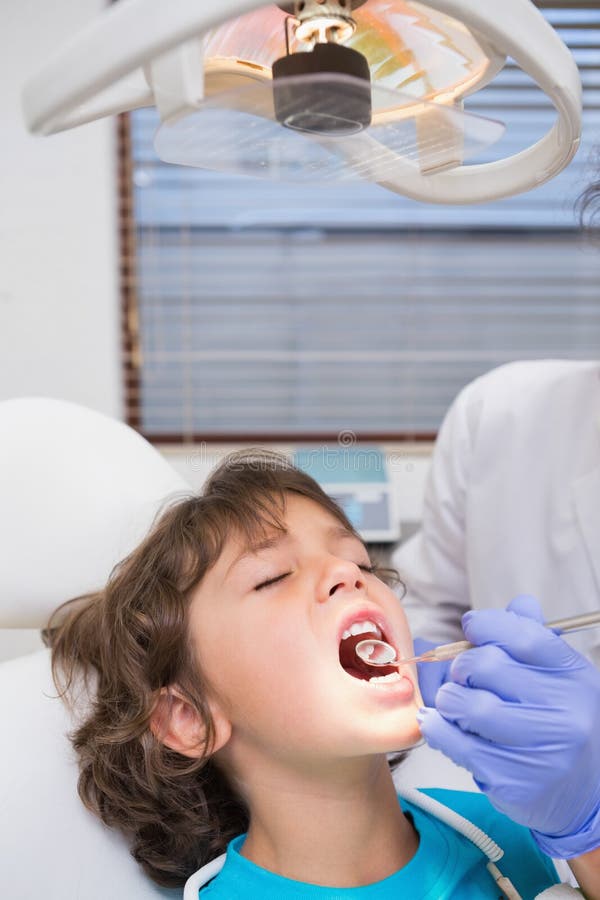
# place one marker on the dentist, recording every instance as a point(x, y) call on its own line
point(512, 505)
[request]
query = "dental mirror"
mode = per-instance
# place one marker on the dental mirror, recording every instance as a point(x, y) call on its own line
point(376, 653)
point(380, 653)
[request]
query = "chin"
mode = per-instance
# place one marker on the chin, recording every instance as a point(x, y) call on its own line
point(415, 739)
point(403, 736)
point(409, 734)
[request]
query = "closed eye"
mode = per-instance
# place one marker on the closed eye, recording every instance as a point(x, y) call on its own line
point(270, 581)
point(264, 584)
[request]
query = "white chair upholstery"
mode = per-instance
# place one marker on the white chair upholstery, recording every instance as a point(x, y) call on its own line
point(77, 492)
point(52, 847)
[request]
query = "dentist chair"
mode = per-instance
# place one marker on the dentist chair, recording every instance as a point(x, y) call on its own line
point(78, 491)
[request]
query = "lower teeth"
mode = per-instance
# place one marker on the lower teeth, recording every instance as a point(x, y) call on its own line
point(378, 679)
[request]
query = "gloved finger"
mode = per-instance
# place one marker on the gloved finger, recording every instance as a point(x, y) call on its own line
point(462, 748)
point(523, 638)
point(431, 677)
point(486, 715)
point(422, 644)
point(493, 669)
point(528, 606)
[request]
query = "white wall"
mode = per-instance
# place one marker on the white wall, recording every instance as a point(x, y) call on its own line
point(59, 300)
point(59, 312)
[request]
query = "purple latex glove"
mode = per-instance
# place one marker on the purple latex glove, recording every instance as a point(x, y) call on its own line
point(522, 713)
point(432, 675)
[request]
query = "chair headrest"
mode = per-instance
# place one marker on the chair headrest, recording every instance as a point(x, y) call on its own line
point(78, 491)
point(52, 847)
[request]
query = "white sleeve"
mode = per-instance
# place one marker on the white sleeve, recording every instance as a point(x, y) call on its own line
point(433, 563)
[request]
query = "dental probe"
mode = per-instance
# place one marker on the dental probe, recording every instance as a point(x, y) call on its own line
point(379, 653)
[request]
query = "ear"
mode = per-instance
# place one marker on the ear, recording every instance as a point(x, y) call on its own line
point(179, 726)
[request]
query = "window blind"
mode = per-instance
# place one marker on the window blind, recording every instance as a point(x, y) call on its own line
point(257, 310)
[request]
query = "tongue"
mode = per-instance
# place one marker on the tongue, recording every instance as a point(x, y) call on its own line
point(354, 665)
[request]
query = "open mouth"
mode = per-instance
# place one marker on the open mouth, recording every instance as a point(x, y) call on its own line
point(353, 664)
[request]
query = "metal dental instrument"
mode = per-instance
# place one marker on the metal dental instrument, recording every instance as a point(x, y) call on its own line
point(379, 653)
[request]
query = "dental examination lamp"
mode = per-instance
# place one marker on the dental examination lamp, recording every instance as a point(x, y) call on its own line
point(320, 89)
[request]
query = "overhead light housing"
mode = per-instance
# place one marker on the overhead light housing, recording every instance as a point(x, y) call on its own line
point(320, 89)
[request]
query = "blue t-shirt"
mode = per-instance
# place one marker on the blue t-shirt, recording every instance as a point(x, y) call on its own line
point(446, 864)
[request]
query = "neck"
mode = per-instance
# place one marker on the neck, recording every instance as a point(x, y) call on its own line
point(339, 828)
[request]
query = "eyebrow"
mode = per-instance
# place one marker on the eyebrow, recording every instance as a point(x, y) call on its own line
point(336, 531)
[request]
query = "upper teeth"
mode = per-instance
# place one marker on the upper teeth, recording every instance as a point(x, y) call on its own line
point(363, 627)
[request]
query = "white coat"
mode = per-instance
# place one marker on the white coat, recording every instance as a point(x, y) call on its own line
point(512, 503)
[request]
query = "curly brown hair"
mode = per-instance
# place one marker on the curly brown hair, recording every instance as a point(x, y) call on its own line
point(130, 640)
point(588, 203)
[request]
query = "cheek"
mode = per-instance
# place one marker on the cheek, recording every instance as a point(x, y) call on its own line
point(397, 616)
point(273, 686)
point(245, 659)
point(406, 641)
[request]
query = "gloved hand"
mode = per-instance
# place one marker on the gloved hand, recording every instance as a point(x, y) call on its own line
point(522, 713)
point(432, 675)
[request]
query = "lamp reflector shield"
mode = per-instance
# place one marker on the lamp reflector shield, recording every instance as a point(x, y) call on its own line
point(237, 131)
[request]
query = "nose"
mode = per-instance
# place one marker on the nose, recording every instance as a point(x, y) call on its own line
point(340, 575)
